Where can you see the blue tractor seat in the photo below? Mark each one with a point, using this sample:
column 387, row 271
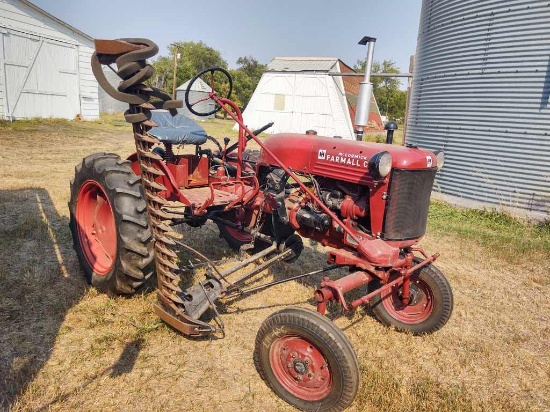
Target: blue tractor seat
column 178, row 129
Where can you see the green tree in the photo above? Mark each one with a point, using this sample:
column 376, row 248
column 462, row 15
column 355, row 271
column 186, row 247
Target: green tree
column 194, row 57
column 400, row 104
column 391, row 100
column 246, row 78
column 164, row 67
column 197, row 56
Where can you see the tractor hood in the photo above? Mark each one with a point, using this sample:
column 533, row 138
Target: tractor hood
column 340, row 159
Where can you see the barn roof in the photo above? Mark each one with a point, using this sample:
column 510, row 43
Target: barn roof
column 303, row 64
column 61, row 22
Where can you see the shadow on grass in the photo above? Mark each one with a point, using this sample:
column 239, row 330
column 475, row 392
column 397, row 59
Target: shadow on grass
column 37, row 285
column 40, row 282
column 122, row 366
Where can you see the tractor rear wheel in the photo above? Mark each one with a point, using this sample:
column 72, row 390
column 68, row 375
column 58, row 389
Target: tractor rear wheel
column 236, row 238
column 108, row 222
column 307, row 360
column 429, row 308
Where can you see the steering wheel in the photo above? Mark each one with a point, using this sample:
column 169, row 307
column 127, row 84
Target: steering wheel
column 212, row 71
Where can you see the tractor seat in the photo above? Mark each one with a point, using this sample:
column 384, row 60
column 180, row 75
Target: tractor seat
column 178, row 129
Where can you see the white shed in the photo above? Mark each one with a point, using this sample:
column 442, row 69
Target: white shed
column 44, row 65
column 302, row 93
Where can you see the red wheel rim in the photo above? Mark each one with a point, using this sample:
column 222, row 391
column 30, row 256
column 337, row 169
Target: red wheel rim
column 96, row 227
column 420, row 306
column 300, row 368
column 236, row 234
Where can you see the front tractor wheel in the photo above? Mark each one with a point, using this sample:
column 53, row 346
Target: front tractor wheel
column 307, row 361
column 108, row 222
column 430, row 303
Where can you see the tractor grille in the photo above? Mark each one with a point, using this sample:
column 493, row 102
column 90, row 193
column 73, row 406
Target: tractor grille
column 407, row 207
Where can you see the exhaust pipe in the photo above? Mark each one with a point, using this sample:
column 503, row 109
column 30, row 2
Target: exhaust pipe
column 365, row 90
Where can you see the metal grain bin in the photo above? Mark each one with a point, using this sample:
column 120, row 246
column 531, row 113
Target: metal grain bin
column 106, row 103
column 200, row 90
column 481, row 93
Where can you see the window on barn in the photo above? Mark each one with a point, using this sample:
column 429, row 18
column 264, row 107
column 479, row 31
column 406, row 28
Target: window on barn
column 279, row 102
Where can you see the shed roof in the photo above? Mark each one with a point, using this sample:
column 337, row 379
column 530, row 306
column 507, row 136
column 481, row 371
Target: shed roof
column 303, row 64
column 199, row 86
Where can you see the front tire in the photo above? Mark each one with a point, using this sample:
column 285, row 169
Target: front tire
column 307, row 360
column 108, row 222
column 430, row 307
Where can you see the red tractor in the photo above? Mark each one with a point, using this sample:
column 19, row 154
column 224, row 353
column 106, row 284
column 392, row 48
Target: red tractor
column 367, row 202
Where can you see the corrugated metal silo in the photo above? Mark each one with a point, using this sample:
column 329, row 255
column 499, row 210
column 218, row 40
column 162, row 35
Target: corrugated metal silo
column 481, row 93
column 199, row 91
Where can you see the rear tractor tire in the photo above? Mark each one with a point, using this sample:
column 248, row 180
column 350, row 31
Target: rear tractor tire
column 307, row 360
column 109, row 225
column 236, row 238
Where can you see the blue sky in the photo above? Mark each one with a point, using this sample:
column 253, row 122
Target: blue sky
column 263, row 29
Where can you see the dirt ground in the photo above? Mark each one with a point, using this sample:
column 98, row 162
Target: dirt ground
column 64, row 346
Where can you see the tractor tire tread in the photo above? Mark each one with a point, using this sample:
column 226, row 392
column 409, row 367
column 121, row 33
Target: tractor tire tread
column 444, row 303
column 134, row 262
column 133, row 180
column 322, row 329
column 132, row 193
column 136, row 221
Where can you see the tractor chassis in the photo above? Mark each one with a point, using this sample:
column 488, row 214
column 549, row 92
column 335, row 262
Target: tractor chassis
column 123, row 213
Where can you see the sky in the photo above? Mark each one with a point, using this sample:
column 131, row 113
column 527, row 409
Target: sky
column 262, row 29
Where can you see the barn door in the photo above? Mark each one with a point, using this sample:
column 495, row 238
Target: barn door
column 41, row 77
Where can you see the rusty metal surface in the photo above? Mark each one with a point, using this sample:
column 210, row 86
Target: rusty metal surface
column 115, row 46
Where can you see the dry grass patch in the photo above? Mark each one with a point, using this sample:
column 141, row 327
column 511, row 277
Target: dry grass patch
column 65, row 346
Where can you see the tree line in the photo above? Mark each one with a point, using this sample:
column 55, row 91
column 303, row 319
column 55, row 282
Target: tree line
column 197, row 56
column 391, row 100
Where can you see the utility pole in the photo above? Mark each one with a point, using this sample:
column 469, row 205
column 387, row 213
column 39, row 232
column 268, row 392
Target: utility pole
column 176, row 58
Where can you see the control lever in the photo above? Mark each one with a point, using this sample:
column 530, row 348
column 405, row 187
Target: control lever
column 248, row 137
column 225, row 142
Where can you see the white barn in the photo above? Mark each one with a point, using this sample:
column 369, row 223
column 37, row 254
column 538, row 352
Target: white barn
column 44, row 66
column 302, row 93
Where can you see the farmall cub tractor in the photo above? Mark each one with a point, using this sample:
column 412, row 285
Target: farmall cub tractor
column 367, row 202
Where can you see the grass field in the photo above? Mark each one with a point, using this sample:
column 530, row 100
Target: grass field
column 64, row 346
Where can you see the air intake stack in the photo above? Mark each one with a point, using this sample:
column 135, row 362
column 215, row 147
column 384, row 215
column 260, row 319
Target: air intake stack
column 365, row 91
